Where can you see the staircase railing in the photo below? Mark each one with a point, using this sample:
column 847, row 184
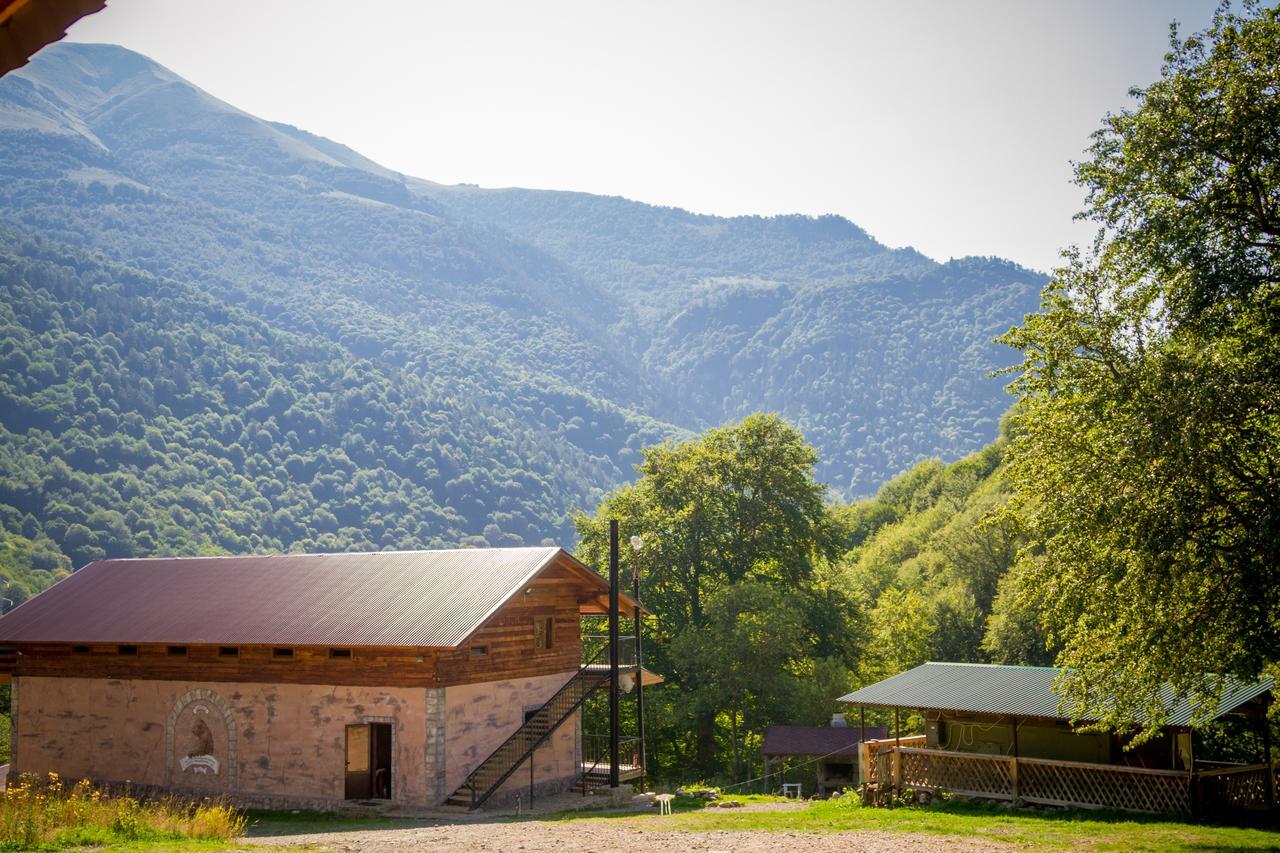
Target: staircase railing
column 486, row 778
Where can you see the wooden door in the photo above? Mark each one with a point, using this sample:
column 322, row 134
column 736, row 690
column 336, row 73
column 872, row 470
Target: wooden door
column 359, row 763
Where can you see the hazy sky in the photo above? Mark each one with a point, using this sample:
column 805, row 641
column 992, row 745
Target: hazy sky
column 947, row 126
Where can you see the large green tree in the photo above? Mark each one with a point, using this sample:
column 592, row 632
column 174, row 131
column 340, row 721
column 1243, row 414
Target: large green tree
column 725, row 518
column 1146, row 444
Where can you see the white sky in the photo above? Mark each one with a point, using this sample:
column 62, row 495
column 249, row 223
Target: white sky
column 947, row 126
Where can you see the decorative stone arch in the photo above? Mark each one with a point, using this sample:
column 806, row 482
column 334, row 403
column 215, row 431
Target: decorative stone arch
column 200, row 694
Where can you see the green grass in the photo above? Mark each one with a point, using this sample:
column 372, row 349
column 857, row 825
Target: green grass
column 268, row 824
column 1045, row 829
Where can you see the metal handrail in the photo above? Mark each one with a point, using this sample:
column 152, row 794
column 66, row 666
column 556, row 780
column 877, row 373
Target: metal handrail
column 626, row 648
column 489, row 775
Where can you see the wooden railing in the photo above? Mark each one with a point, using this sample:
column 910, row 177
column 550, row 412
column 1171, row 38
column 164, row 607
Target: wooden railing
column 1074, row 783
column 870, row 750
column 1037, row 780
column 1235, row 789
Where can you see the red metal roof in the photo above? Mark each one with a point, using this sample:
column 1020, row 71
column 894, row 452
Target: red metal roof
column 389, row 598
column 817, row 740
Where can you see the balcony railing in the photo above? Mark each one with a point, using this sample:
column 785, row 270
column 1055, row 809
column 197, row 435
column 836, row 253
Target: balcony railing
column 593, row 643
column 595, row 751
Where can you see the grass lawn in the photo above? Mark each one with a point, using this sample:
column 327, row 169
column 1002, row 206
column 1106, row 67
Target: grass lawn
column 1051, row 829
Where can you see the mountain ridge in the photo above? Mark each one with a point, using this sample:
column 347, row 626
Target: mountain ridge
column 584, row 327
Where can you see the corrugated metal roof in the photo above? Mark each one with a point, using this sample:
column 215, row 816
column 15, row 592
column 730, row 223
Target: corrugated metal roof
column 1024, row 691
column 816, row 740
column 390, row 598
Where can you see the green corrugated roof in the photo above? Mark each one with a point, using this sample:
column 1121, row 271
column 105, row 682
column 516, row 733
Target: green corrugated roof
column 1023, row 691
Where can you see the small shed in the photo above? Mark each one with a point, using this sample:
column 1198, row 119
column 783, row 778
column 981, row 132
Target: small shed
column 834, row 749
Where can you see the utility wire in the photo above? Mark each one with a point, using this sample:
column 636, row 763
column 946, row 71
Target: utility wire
column 843, row 749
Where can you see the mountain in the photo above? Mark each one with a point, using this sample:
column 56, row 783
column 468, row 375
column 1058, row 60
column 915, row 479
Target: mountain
column 238, row 335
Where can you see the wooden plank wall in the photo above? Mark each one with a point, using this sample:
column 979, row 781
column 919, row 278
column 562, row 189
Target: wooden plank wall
column 507, row 638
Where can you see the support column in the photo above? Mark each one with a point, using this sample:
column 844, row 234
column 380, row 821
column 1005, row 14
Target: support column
column 1013, row 766
column 613, row 655
column 1266, row 757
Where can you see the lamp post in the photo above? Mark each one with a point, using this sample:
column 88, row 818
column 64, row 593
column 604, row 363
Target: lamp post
column 636, row 544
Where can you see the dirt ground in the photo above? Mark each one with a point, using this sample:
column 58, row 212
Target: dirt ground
column 536, row 836
column 641, row 833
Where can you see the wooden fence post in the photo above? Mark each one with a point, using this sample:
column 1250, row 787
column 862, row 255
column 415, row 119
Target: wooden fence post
column 883, row 775
column 897, row 770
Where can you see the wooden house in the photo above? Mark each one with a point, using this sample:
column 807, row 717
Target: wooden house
column 414, row 678
column 998, row 732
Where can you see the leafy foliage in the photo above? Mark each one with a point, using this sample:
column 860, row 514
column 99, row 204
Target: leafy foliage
column 769, row 605
column 734, row 527
column 1146, row 449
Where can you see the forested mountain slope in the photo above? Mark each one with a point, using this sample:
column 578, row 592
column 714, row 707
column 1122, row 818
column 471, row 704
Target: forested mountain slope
column 201, row 307
column 880, row 356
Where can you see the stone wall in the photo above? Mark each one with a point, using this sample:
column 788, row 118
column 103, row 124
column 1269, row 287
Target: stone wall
column 279, row 745
column 479, row 717
column 279, row 742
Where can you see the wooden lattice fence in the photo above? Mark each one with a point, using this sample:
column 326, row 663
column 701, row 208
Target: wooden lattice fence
column 872, row 749
column 1135, row 789
column 1060, row 783
column 973, row 774
column 1235, row 789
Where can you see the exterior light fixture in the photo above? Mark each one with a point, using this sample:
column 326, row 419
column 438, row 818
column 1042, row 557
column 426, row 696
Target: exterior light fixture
column 636, row 543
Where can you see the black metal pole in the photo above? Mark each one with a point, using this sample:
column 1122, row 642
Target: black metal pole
column 635, row 593
column 1270, row 778
column 613, row 654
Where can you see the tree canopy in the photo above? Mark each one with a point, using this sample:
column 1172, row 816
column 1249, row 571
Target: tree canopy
column 1145, row 453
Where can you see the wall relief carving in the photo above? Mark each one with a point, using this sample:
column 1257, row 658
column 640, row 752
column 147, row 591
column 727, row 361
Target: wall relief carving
column 200, row 737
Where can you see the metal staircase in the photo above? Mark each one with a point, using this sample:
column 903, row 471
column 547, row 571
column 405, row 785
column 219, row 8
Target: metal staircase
column 515, row 750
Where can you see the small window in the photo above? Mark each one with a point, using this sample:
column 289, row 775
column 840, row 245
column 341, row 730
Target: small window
column 127, row 650
column 80, row 650
column 543, row 633
column 279, row 652
column 178, row 651
column 228, row 651
column 339, row 653
column 479, row 651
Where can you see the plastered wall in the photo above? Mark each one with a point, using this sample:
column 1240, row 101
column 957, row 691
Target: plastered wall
column 252, row 739
column 479, row 717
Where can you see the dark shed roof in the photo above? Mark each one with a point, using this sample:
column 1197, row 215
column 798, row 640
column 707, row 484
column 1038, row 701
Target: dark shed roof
column 389, row 598
column 816, row 740
column 1022, row 691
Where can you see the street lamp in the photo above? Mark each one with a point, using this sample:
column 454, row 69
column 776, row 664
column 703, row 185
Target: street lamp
column 636, row 544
